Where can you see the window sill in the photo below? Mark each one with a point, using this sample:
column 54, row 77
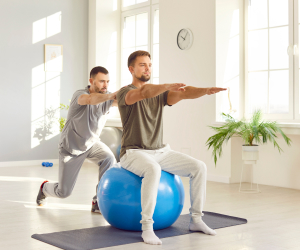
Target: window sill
column 287, row 128
column 290, row 128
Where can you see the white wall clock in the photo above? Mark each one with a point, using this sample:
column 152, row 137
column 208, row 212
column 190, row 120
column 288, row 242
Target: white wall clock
column 185, row 39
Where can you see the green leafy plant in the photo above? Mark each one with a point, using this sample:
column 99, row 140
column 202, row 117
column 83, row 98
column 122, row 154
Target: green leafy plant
column 62, row 120
column 253, row 131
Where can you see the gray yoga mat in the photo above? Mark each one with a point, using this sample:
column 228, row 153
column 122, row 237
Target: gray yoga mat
column 108, row 236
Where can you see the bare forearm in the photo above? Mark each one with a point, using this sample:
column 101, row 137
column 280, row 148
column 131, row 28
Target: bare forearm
column 96, row 98
column 193, row 92
column 152, row 90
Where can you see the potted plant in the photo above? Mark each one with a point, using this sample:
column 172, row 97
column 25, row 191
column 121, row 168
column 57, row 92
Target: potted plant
column 62, row 120
column 253, row 131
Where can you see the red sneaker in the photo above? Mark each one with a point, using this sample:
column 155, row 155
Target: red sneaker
column 41, row 197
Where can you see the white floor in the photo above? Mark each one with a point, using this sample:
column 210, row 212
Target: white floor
column 273, row 215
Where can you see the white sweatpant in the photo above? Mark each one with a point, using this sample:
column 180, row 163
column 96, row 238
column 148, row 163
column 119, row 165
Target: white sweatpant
column 149, row 163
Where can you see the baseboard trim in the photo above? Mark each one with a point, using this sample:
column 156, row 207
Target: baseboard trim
column 218, row 178
column 30, row 163
column 26, row 163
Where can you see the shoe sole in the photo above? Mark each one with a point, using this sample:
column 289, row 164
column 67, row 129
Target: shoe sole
column 96, row 211
column 42, row 204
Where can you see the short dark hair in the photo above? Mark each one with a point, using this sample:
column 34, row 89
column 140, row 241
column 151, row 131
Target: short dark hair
column 97, row 70
column 134, row 55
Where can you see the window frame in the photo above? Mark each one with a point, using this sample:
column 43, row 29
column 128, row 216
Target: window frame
column 290, row 117
column 128, row 13
column 132, row 10
column 154, row 7
column 135, row 6
column 296, row 61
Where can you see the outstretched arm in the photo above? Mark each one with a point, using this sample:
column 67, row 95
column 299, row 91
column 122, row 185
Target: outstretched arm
column 95, row 98
column 191, row 93
column 151, row 90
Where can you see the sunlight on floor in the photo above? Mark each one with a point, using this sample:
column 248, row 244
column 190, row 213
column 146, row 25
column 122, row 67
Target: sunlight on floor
column 79, row 207
column 27, row 179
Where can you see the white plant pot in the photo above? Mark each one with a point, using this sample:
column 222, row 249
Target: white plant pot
column 250, row 154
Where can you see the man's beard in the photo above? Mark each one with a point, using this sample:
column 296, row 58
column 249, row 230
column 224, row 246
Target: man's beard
column 143, row 78
column 102, row 91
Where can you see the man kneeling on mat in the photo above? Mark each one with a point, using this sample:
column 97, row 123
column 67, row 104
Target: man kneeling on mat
column 80, row 137
column 143, row 152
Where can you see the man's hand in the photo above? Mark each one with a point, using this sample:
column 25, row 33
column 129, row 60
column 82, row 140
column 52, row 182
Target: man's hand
column 214, row 90
column 175, row 87
column 191, row 93
column 114, row 95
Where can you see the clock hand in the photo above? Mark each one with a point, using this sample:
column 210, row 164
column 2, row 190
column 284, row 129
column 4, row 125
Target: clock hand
column 185, row 35
column 182, row 38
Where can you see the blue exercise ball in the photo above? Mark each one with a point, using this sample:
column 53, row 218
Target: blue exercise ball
column 119, row 199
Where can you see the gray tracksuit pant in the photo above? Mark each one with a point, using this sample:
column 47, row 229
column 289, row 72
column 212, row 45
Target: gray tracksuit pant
column 69, row 167
column 149, row 163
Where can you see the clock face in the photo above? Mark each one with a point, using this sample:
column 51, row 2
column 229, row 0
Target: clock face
column 184, row 39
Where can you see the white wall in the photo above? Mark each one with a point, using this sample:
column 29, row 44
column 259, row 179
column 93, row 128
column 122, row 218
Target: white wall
column 104, row 40
column 22, row 72
column 272, row 168
column 186, row 123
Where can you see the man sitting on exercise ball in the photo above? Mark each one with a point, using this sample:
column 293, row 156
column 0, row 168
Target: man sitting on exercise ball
column 80, row 137
column 143, row 152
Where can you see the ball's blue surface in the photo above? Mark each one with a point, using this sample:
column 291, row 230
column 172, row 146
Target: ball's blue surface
column 50, row 164
column 47, row 164
column 119, row 199
column 44, row 164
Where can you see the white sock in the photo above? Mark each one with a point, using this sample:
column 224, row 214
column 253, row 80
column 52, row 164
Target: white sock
column 201, row 226
column 149, row 237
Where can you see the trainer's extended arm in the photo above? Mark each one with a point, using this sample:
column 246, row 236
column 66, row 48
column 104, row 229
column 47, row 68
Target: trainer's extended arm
column 95, row 98
column 151, row 90
column 191, row 93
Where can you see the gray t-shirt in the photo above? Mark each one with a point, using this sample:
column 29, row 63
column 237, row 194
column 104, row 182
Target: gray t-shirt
column 82, row 128
column 142, row 122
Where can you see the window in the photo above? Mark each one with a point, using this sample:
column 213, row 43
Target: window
column 155, row 46
column 140, row 31
column 135, row 37
column 132, row 2
column 270, row 60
